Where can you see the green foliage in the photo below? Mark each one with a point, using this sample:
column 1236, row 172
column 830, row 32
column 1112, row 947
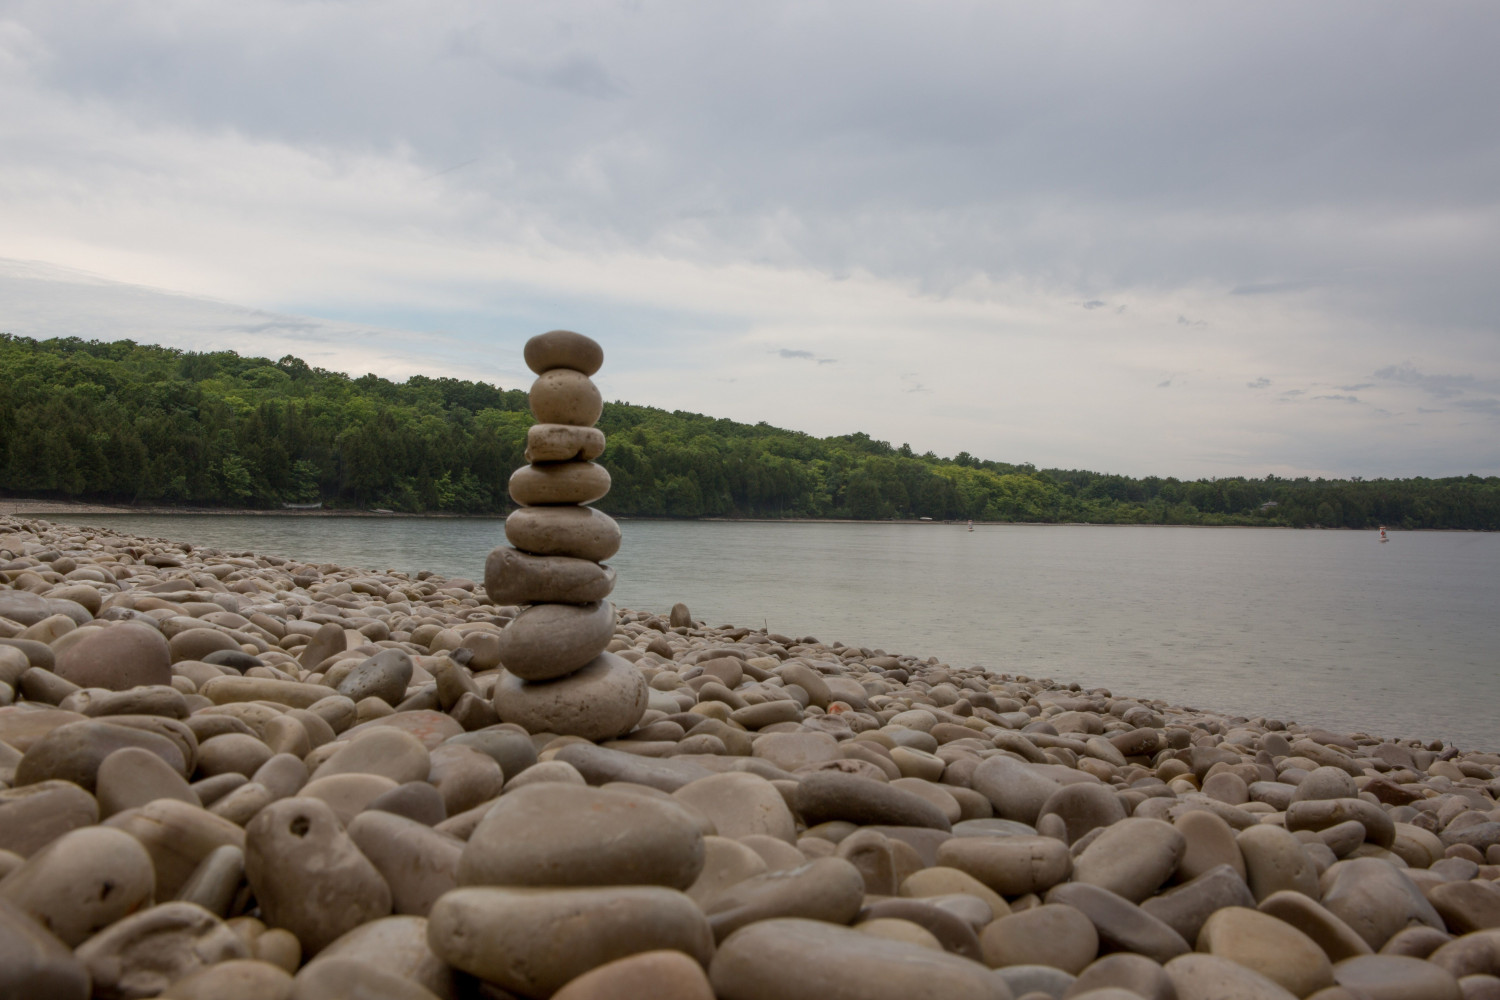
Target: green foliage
column 134, row 423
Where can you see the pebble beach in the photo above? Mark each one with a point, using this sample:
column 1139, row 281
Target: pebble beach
column 228, row 774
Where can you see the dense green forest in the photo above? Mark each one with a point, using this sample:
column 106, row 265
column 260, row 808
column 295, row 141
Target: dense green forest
column 133, row 423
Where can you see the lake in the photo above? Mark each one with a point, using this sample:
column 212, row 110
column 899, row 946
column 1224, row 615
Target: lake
column 1325, row 627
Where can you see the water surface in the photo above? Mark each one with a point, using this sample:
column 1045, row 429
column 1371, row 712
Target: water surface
column 1324, row 627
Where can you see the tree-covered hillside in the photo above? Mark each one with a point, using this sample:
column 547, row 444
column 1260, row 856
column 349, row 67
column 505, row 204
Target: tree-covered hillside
column 133, row 423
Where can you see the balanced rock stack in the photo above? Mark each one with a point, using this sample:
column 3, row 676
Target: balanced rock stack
column 559, row 677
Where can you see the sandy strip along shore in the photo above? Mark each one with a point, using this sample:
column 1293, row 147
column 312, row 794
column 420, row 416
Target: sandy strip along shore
column 232, row 775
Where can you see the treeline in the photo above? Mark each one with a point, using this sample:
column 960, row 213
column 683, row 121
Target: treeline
column 131, row 423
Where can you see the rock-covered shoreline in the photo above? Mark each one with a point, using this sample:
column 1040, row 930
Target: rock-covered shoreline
column 237, row 775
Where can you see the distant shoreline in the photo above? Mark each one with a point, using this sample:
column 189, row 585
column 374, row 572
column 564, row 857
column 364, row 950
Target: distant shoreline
column 21, row 507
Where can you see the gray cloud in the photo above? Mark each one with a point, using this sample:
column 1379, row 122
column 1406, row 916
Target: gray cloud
column 1441, row 386
column 1095, row 304
column 788, row 353
column 1259, row 383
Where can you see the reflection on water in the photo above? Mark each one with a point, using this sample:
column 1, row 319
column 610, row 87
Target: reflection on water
column 1326, row 627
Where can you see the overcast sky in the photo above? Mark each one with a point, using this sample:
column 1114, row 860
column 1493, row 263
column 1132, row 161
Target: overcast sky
column 1184, row 239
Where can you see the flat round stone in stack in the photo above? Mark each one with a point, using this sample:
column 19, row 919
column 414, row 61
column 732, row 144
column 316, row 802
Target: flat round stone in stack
column 559, row 677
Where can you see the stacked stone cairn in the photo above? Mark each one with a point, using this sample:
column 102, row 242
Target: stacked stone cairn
column 235, row 776
column 559, row 677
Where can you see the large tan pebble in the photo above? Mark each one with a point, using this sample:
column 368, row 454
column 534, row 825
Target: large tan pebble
column 830, row 795
column 557, row 483
column 515, row 577
column 726, row 862
column 384, row 675
column 307, row 874
column 1395, row 977
column 349, row 979
column 558, row 771
column 33, row 816
column 117, row 657
column 143, row 954
column 1120, row 924
column 563, row 443
column 552, row 640
column 1275, row 949
column 1376, row 899
column 1083, row 807
column 1337, row 939
column 284, row 774
column 464, row 777
column 604, row 699
column 232, row 753
column 82, row 882
column 294, row 694
column 1129, row 975
column 347, row 794
column 577, row 532
column 559, row 834
column 216, row 881
column 741, row 804
column 417, row 862
column 384, row 750
column 939, row 880
column 196, row 643
column 1184, row 908
column 553, row 936
column 34, row 963
column 49, row 629
column 242, row 804
column 829, row 889
column 279, row 947
column 564, row 396
column 397, row 946
column 178, row 837
column 1016, row 789
column 563, row 349
column 1208, row 843
column 1012, row 866
column 1058, row 936
column 791, row 959
column 1274, row 861
column 1208, row 977
column 236, row 979
column 1131, row 858
column 790, row 751
column 73, row 752
column 661, row 975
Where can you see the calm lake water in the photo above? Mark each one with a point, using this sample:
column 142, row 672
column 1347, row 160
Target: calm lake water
column 1324, row 627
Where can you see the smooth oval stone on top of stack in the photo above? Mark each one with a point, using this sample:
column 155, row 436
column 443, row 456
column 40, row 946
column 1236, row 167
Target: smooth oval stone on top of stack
column 559, row 679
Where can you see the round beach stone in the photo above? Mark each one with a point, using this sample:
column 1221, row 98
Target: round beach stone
column 417, row 862
column 384, row 750
column 661, row 975
column 1012, row 866
column 552, row 640
column 1208, row 977
column 1275, row 861
column 563, row 443
column 741, row 804
column 1120, row 924
column 232, row 753
column 74, row 752
column 1132, row 975
column 515, row 577
column 1208, row 843
column 118, row 657
column 554, row 935
column 196, row 643
column 604, row 699
column 831, row 795
column 236, row 979
column 725, row 863
column 34, row 963
column 798, row 959
column 564, row 396
column 1131, row 858
column 578, row 532
column 350, row 979
column 938, row 880
column 1275, row 949
column 1050, row 934
column 32, row 816
column 82, row 882
column 1375, row 899
column 178, row 837
column 1337, row 939
column 1016, row 789
column 567, row 835
column 1185, row 907
column 396, row 946
column 1396, row 977
column 132, row 777
column 1083, row 807
column 828, row 889
column 563, row 349
column 308, row 876
column 559, row 483
column 146, row 952
column 384, row 675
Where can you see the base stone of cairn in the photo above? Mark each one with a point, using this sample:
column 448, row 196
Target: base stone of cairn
column 559, row 679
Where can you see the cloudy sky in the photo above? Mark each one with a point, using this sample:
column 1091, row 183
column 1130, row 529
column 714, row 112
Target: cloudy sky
column 1164, row 238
